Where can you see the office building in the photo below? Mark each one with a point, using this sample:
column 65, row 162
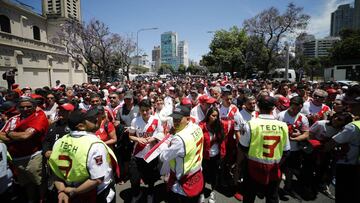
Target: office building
column 156, row 57
column 169, row 52
column 356, row 20
column 25, row 45
column 311, row 47
column 183, row 53
column 341, row 19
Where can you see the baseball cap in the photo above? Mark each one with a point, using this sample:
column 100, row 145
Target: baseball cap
column 77, row 117
column 206, row 99
column 245, row 91
column 225, row 90
column 185, row 101
column 67, row 107
column 284, row 101
column 331, row 91
column 8, row 107
column 180, row 111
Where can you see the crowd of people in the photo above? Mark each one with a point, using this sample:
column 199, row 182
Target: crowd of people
column 75, row 143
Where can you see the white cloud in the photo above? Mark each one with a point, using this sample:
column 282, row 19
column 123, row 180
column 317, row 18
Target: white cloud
column 320, row 23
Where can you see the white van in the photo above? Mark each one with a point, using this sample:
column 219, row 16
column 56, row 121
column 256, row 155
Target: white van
column 279, row 74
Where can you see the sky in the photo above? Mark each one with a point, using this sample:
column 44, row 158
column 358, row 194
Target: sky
column 192, row 19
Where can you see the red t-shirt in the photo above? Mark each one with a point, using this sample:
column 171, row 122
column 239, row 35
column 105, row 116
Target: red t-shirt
column 21, row 148
column 102, row 134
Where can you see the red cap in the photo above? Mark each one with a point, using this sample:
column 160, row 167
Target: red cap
column 68, row 107
column 284, row 101
column 36, row 96
column 205, row 99
column 185, row 101
column 14, row 86
column 331, row 91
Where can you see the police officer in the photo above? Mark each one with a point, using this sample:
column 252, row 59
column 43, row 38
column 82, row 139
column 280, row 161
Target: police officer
column 185, row 154
column 264, row 141
column 82, row 163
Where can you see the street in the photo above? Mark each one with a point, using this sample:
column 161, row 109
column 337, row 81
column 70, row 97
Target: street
column 124, row 195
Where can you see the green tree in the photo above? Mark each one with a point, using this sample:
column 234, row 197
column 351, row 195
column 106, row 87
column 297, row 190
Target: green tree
column 272, row 27
column 165, row 69
column 227, row 50
column 140, row 69
column 347, row 50
column 182, row 69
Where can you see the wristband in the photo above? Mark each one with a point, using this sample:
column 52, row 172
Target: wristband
column 60, row 191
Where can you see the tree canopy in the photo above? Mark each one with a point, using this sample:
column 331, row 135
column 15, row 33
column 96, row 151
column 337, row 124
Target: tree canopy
column 99, row 51
column 227, row 50
column 346, row 50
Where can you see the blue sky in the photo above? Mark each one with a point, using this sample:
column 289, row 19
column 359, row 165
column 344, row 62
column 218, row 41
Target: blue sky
column 192, row 19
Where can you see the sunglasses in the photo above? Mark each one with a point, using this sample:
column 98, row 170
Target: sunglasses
column 25, row 107
column 320, row 97
column 50, row 98
column 112, row 97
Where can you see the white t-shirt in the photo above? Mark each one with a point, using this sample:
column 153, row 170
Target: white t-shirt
column 140, row 128
column 321, row 131
column 246, row 137
column 197, row 114
column 350, row 135
column 97, row 169
column 128, row 117
column 214, row 149
column 309, row 108
column 284, row 116
column 168, row 105
column 245, row 116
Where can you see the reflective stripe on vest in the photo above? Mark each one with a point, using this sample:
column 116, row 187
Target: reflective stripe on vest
column 357, row 124
column 68, row 159
column 192, row 138
column 267, row 141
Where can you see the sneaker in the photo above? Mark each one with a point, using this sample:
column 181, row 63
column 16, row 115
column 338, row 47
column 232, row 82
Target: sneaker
column 238, row 196
column 202, row 198
column 150, row 198
column 326, row 191
column 136, row 199
column 212, row 197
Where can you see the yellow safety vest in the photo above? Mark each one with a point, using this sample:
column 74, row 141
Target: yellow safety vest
column 357, row 124
column 192, row 137
column 69, row 157
column 267, row 140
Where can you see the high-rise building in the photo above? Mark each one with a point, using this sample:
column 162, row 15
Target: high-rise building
column 156, row 56
column 341, row 19
column 356, row 20
column 169, row 41
column 311, row 47
column 183, row 52
column 62, row 9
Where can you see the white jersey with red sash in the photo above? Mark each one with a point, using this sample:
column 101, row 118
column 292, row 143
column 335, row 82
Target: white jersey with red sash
column 318, row 112
column 299, row 122
column 114, row 110
column 230, row 113
column 144, row 129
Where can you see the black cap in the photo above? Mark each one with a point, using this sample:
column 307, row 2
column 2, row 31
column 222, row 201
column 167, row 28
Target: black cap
column 78, row 117
column 266, row 102
column 180, row 111
column 245, row 91
column 225, row 90
column 8, row 106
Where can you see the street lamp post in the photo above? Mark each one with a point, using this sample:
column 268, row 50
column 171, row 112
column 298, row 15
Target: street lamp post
column 137, row 42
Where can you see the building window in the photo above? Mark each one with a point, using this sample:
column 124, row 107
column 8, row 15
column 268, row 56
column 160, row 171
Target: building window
column 5, row 24
column 36, row 32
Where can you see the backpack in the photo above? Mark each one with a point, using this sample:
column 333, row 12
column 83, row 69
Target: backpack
column 4, row 76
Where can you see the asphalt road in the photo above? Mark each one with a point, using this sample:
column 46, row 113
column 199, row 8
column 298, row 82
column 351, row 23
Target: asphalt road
column 124, row 195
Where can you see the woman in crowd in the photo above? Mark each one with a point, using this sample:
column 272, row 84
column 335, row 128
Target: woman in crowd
column 214, row 149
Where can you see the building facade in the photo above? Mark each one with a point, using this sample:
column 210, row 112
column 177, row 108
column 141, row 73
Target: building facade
column 25, row 45
column 156, row 57
column 341, row 19
column 311, row 47
column 356, row 15
column 169, row 51
column 183, row 52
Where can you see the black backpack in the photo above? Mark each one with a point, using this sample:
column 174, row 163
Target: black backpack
column 4, row 76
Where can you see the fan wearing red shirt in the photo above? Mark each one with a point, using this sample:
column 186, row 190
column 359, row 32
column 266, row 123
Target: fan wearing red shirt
column 106, row 132
column 23, row 135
